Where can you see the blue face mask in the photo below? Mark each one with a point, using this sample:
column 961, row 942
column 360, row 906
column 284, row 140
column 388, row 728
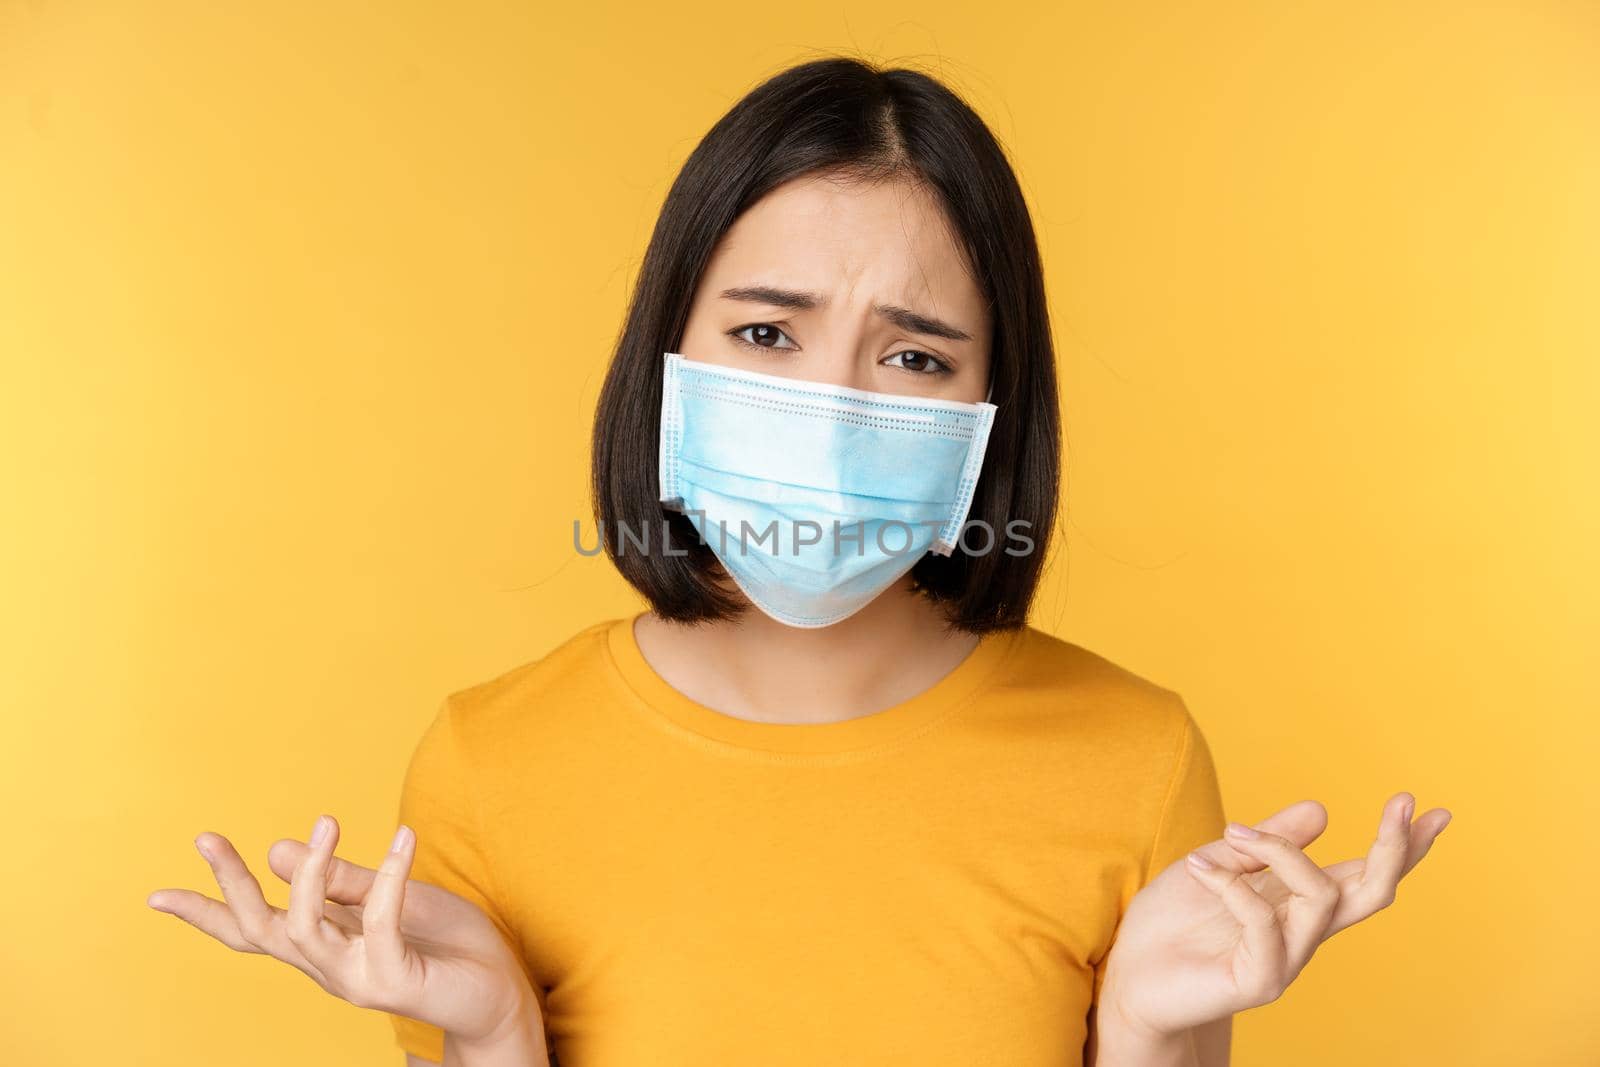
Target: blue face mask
column 815, row 498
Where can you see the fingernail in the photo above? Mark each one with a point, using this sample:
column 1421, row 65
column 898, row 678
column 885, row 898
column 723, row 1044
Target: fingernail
column 319, row 830
column 1200, row 861
column 1409, row 810
column 154, row 903
column 202, row 849
column 401, row 836
column 1447, row 817
column 1240, row 830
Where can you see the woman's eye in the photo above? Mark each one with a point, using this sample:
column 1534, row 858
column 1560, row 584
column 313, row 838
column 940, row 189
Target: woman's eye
column 917, row 362
column 764, row 335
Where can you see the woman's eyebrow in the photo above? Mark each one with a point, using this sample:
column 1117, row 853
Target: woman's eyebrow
column 915, row 322
column 767, row 294
column 799, row 300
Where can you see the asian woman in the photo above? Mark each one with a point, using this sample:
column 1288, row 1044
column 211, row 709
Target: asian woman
column 830, row 799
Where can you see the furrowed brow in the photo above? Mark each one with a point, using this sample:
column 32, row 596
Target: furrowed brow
column 915, row 322
column 799, row 300
column 793, row 299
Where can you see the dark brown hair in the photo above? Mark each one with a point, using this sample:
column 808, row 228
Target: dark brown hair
column 842, row 116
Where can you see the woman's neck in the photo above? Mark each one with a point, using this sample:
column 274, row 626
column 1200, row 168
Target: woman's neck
column 757, row 668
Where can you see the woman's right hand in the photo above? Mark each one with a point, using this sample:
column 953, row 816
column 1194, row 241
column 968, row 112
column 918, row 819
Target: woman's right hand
column 370, row 937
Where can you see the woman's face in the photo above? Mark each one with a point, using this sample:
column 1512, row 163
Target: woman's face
column 853, row 284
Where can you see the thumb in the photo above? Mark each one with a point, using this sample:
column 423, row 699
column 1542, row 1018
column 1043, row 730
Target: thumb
column 348, row 883
column 1300, row 823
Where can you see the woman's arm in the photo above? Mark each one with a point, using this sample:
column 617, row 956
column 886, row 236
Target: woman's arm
column 1230, row 927
column 520, row 1046
column 1208, row 1045
column 377, row 939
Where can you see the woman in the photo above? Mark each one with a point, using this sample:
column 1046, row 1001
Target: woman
column 830, row 800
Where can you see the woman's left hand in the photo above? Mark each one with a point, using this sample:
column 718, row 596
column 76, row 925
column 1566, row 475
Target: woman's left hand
column 1204, row 940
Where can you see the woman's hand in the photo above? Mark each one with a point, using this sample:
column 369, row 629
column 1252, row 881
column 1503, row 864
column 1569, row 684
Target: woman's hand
column 370, row 937
column 1231, row 925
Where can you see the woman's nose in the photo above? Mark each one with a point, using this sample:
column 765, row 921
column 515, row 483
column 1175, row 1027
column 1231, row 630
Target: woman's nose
column 841, row 367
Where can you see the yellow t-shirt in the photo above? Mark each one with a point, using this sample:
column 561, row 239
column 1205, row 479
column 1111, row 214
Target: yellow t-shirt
column 935, row 883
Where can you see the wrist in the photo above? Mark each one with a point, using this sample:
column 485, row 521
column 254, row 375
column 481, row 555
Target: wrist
column 1122, row 1040
column 518, row 1041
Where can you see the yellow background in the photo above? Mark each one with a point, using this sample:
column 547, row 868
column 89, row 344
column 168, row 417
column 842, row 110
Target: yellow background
column 303, row 313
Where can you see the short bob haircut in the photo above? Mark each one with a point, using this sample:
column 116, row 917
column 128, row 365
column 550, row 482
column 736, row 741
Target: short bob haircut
column 847, row 118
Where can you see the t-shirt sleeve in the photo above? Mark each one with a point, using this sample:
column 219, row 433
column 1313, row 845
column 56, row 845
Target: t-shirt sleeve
column 437, row 802
column 1190, row 813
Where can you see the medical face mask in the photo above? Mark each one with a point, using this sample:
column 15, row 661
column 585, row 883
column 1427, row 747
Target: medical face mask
column 815, row 498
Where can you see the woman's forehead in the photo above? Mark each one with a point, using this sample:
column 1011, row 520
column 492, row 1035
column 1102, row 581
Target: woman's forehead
column 848, row 240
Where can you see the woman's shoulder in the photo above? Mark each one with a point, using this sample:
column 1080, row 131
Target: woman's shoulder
column 1093, row 688
column 534, row 694
column 1045, row 659
column 1110, row 723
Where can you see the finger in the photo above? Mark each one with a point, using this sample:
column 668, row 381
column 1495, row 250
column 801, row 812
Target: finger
column 1427, row 827
column 257, row 922
column 321, row 942
column 1300, row 823
column 348, row 883
column 1424, row 829
column 1374, row 887
column 203, row 913
column 1351, row 872
column 345, row 917
column 1260, row 971
column 284, row 858
column 256, row 919
column 380, row 916
column 1313, row 895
